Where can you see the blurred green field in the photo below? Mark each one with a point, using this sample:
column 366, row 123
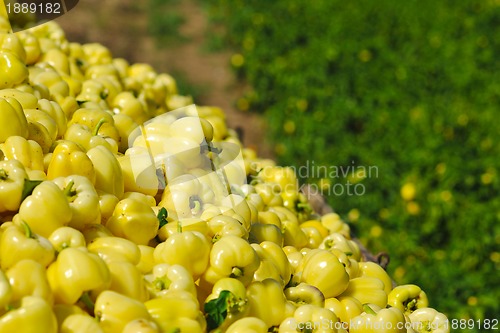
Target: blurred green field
column 409, row 88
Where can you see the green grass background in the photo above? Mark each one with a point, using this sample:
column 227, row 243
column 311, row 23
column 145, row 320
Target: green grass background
column 411, row 87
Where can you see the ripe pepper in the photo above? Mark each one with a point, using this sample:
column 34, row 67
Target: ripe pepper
column 115, row 249
column 323, row 270
column 74, row 272
column 18, row 242
column 268, row 302
column 114, row 310
column 69, row 159
column 65, row 237
column 232, row 256
column 165, row 278
column 261, row 232
column 54, row 110
column 407, row 298
column 100, row 121
column 339, row 241
column 310, row 318
column 31, row 46
column 303, row 294
column 134, row 220
column 126, row 103
column 139, row 171
column 12, row 179
column 5, row 292
column 221, row 225
column 109, row 177
column 367, row 290
column 83, row 200
column 183, row 197
column 177, row 312
column 26, row 98
column 27, row 278
column 11, row 43
column 141, row 326
column 273, row 253
column 269, row 194
column 429, row 320
column 226, row 304
column 32, row 314
column 80, row 323
column 46, row 209
column 12, row 114
column 28, row 152
column 42, row 128
column 47, row 76
column 236, row 206
column 125, row 125
column 107, row 204
column 371, row 269
column 87, row 138
column 248, row 324
column 147, row 260
column 127, row 280
column 345, row 307
column 383, row 321
column 190, row 249
column 334, row 223
column 12, row 69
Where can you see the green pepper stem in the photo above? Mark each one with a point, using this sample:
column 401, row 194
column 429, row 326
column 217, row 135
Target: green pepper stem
column 98, row 126
column 68, row 190
column 368, row 309
column 27, row 229
column 3, row 174
column 87, row 301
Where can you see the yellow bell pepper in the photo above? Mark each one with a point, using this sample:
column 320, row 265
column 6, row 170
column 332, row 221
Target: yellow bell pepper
column 177, row 312
column 46, row 209
column 334, row 223
column 114, row 310
column 125, row 126
column 69, row 159
column 226, row 304
column 92, row 118
column 323, row 270
column 94, row 231
column 147, row 260
column 310, row 318
column 57, row 59
column 12, row 69
column 80, row 323
column 115, row 249
column 134, row 220
column 141, row 326
column 367, row 290
column 31, row 46
column 18, row 242
column 248, row 325
column 139, row 171
column 12, row 180
column 191, row 249
column 371, row 269
column 165, row 278
column 268, row 302
column 83, row 200
column 54, row 110
column 429, row 320
column 407, row 298
column 261, row 232
column 127, row 280
column 232, row 256
column 390, row 320
column 340, row 242
column 12, row 43
column 74, row 272
column 5, row 292
column 303, row 294
column 109, row 177
column 269, row 251
column 345, row 308
column 126, row 103
column 33, row 313
column 27, row 278
column 40, row 75
column 88, row 138
column 28, row 152
column 221, row 226
column 12, row 114
column 65, row 237
column 26, row 98
column 107, row 204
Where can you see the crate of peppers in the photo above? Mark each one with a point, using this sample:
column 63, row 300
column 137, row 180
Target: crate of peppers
column 125, row 208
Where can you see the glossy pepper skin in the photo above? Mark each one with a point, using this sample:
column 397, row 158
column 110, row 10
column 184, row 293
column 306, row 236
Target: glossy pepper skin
column 33, row 313
column 69, row 159
column 88, row 138
column 165, row 278
column 248, row 325
column 12, row 69
column 429, row 320
column 74, row 272
column 232, row 256
column 46, row 209
column 28, row 152
column 134, row 220
column 12, row 178
column 12, row 114
column 310, row 318
column 5, row 292
column 390, row 320
column 408, row 298
column 115, row 310
column 367, row 290
column 190, row 249
column 323, row 269
column 18, row 242
column 83, row 200
column 345, row 307
column 80, row 323
column 27, row 278
column 65, row 237
column 109, row 177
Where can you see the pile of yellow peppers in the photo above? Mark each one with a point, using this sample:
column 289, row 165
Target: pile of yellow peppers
column 125, row 209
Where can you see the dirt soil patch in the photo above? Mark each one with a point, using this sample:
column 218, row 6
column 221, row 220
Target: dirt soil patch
column 122, row 26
